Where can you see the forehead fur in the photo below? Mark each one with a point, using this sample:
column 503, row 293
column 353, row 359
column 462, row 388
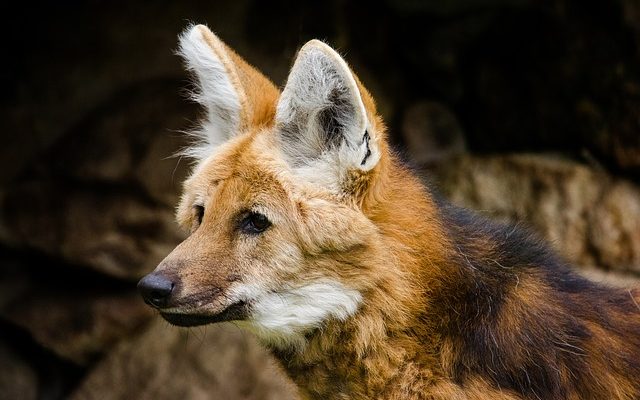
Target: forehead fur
column 251, row 157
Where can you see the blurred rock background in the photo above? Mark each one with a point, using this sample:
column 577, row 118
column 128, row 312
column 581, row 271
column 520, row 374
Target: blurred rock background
column 526, row 110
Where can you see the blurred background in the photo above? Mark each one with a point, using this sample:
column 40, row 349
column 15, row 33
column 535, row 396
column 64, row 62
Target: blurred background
column 525, row 110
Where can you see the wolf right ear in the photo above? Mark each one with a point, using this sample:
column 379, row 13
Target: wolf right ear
column 322, row 120
column 234, row 94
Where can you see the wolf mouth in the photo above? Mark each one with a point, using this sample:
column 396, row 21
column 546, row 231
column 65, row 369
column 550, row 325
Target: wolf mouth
column 235, row 312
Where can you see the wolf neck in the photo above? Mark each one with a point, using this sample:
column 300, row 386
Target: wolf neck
column 376, row 346
column 356, row 358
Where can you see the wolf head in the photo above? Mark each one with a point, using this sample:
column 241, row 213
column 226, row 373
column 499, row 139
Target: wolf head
column 280, row 200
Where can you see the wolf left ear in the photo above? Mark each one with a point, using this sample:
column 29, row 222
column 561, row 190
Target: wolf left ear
column 322, row 120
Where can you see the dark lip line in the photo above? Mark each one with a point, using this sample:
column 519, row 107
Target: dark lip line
column 187, row 301
column 234, row 312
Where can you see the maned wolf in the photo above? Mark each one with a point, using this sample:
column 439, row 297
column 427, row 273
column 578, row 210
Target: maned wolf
column 308, row 231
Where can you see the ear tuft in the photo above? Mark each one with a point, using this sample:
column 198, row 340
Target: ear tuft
column 217, row 88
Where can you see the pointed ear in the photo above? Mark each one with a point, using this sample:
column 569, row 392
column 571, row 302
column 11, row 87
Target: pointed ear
column 234, row 94
column 321, row 117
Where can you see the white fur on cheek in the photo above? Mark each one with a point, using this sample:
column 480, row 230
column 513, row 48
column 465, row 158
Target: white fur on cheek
column 215, row 91
column 282, row 318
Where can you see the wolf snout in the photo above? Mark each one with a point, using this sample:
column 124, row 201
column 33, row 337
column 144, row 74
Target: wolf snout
column 156, row 289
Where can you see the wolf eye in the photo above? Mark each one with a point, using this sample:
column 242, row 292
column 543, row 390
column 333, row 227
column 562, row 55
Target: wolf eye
column 198, row 213
column 254, row 223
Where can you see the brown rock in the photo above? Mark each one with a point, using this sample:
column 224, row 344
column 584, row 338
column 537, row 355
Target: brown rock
column 590, row 217
column 214, row 362
column 160, row 172
column 610, row 278
column 432, row 133
column 103, row 196
column 129, row 140
column 79, row 330
column 17, row 379
column 75, row 314
column 110, row 229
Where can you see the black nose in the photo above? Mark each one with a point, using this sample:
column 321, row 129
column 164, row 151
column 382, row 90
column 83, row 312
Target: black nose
column 155, row 289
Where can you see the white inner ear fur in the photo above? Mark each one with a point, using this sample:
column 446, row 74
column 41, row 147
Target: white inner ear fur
column 215, row 89
column 322, row 120
column 282, row 318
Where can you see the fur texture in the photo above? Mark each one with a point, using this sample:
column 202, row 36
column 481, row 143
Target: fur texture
column 321, row 119
column 282, row 319
column 215, row 89
column 307, row 230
